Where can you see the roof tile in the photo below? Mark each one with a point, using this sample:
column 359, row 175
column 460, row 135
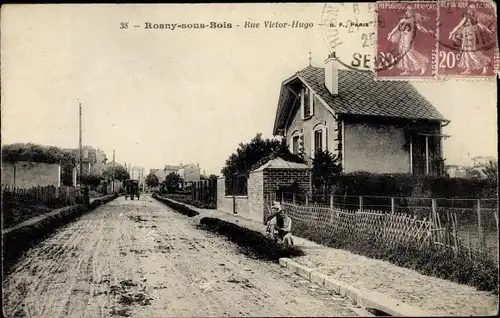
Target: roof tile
column 361, row 94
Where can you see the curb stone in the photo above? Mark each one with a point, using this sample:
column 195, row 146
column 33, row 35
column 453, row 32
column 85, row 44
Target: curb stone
column 365, row 298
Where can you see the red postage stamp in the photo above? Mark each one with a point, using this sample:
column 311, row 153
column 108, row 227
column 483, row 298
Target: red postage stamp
column 468, row 44
column 406, row 40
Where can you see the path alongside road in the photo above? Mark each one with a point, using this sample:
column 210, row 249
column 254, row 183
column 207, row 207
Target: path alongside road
column 431, row 294
column 139, row 258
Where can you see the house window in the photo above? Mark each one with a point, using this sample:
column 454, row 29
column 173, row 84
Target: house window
column 307, row 103
column 318, row 140
column 295, row 145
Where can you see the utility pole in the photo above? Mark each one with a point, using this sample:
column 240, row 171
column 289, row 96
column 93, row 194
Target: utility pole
column 80, row 145
column 113, row 174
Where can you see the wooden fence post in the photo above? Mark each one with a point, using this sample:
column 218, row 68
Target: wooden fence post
column 234, row 204
column 393, row 206
column 434, row 221
column 282, row 197
column 360, row 204
column 202, row 191
column 293, row 200
column 482, row 238
column 307, row 200
column 331, row 202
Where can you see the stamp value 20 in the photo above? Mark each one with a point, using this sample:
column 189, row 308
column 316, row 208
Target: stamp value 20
column 468, row 45
column 406, row 40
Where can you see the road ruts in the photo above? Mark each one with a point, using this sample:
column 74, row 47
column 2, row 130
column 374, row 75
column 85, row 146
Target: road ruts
column 141, row 259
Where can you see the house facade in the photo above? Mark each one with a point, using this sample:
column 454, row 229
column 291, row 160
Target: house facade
column 189, row 173
column 138, row 173
column 93, row 160
column 372, row 126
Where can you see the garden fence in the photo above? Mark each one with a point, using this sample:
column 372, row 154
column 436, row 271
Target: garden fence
column 19, row 204
column 456, row 224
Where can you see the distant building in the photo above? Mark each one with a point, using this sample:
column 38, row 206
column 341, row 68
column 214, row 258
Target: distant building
column 188, row 172
column 138, row 173
column 482, row 161
column 456, row 171
column 93, row 160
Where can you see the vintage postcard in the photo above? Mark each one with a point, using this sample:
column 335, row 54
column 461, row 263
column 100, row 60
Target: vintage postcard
column 242, row 160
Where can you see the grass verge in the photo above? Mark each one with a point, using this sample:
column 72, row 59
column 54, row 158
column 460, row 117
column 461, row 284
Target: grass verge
column 181, row 208
column 251, row 243
column 478, row 271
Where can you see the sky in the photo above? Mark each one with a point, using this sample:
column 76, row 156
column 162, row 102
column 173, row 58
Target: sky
column 161, row 96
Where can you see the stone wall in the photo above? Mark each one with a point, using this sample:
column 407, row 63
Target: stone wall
column 23, row 174
column 276, row 178
column 262, row 187
column 255, row 192
column 230, row 204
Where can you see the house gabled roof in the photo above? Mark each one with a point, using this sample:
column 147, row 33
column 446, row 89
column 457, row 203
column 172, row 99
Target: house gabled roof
column 360, row 94
column 280, row 163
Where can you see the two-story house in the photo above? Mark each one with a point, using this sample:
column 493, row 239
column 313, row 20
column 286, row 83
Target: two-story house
column 93, row 160
column 371, row 125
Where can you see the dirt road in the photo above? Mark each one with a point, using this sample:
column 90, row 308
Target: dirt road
column 140, row 259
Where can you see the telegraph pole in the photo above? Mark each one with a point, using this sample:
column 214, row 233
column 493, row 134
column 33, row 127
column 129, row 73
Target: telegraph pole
column 113, row 174
column 80, row 145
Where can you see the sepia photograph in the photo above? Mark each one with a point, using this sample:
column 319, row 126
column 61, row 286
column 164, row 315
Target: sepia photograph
column 250, row 159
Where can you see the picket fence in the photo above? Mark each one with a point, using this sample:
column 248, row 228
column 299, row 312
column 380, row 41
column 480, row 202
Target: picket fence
column 49, row 196
column 388, row 229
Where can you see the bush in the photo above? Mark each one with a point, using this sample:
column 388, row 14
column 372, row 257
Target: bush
column 184, row 198
column 251, row 242
column 478, row 271
column 37, row 153
column 407, row 185
column 181, row 208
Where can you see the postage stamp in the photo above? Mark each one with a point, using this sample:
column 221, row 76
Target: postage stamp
column 468, row 44
column 406, row 40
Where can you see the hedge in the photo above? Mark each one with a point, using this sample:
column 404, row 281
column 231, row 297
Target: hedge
column 407, row 185
column 37, row 153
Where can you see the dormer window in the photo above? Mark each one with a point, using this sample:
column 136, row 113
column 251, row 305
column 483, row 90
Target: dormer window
column 307, row 103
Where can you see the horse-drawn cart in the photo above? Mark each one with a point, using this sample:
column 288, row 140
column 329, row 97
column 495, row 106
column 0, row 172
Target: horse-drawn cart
column 131, row 189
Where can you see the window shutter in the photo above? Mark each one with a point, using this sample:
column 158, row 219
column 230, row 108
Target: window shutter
column 324, row 136
column 302, row 114
column 312, row 144
column 311, row 103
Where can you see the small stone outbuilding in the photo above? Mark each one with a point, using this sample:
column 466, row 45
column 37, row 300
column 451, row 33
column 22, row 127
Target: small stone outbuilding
column 264, row 186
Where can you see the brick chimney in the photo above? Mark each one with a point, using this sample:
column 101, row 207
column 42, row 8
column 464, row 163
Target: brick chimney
column 332, row 74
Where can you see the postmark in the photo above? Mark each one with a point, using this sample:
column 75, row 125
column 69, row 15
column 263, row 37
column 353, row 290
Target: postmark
column 406, row 40
column 468, row 43
column 349, row 32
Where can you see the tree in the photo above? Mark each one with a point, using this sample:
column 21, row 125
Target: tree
column 253, row 154
column 120, row 174
column 172, row 181
column 92, row 180
column 325, row 167
column 491, row 170
column 152, row 180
